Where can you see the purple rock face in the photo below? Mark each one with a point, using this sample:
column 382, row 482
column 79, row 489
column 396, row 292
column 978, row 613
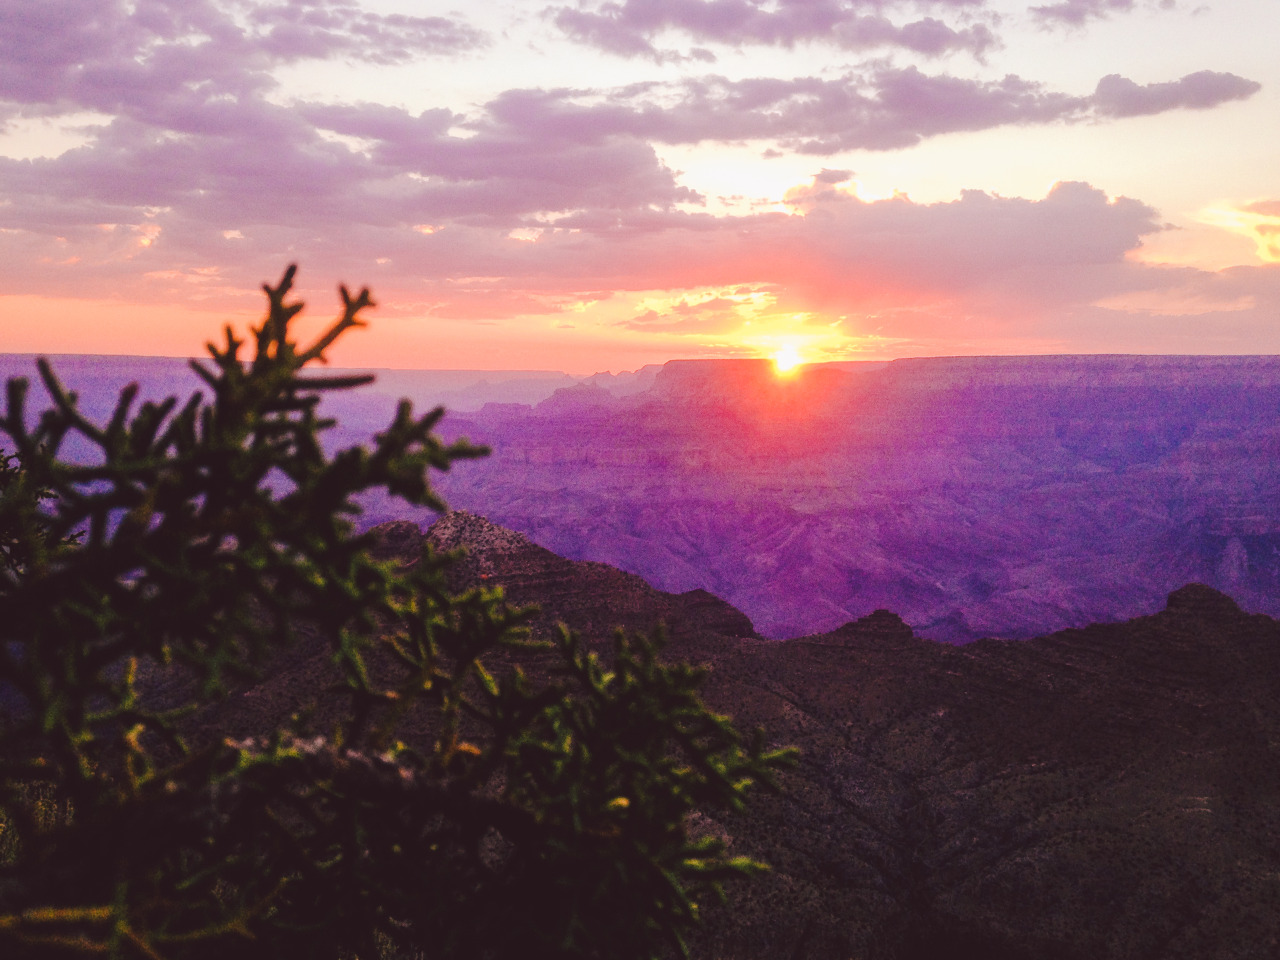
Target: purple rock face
column 973, row 496
column 1005, row 496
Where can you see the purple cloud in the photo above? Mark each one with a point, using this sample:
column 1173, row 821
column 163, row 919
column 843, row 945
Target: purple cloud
column 840, row 254
column 199, row 178
column 105, row 55
column 212, row 164
column 1118, row 96
column 1050, row 274
column 831, row 177
column 629, row 28
column 885, row 109
column 266, row 164
column 1076, row 13
column 907, row 269
column 195, row 149
column 321, row 29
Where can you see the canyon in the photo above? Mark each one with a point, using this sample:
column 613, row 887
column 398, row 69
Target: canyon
column 1055, row 789
column 976, row 497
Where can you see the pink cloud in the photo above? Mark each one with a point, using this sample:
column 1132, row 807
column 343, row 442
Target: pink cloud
column 977, row 269
column 885, row 108
column 1077, row 12
column 1117, row 96
column 711, row 316
column 842, row 254
column 195, row 137
column 200, row 182
column 321, row 29
column 197, row 163
column 105, row 55
column 630, row 27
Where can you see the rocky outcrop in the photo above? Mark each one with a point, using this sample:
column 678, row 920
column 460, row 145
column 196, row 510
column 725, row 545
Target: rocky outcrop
column 592, row 598
column 485, row 544
column 881, row 624
column 1105, row 792
column 1201, row 602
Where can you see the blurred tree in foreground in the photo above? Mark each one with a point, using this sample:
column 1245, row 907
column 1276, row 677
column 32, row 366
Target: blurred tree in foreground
column 533, row 819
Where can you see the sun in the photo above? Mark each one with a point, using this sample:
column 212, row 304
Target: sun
column 787, row 358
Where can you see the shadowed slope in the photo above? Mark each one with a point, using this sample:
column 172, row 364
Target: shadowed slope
column 1107, row 792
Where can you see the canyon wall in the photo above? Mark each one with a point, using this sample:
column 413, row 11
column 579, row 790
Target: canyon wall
column 988, row 496
column 974, row 496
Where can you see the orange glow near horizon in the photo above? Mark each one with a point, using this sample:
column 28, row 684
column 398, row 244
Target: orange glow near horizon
column 31, row 324
column 50, row 325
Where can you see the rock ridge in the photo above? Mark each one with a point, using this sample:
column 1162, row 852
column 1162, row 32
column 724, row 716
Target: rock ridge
column 1099, row 792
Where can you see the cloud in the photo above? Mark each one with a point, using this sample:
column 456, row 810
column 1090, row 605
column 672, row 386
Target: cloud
column 884, row 108
column 1117, row 96
column 504, row 172
column 888, row 108
column 714, row 315
column 135, row 206
column 197, row 149
column 630, row 27
column 832, row 176
column 199, row 177
column 112, row 56
column 269, row 174
column 323, row 29
column 839, row 255
column 1053, row 273
column 1076, row 13
column 1260, row 221
column 979, row 246
column 61, row 51
column 189, row 164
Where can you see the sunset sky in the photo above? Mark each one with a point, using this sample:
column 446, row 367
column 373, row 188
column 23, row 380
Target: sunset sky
column 588, row 186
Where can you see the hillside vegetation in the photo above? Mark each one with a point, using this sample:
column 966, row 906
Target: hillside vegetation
column 1108, row 792
column 409, row 788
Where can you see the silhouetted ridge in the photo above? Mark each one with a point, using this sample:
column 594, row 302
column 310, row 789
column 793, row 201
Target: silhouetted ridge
column 1108, row 792
column 592, row 598
column 1198, row 600
column 877, row 625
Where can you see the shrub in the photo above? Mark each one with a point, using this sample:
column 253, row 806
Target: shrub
column 528, row 818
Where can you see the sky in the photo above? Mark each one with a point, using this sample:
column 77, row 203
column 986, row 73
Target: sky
column 589, row 185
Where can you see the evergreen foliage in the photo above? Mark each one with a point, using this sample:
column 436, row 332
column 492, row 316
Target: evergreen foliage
column 525, row 818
